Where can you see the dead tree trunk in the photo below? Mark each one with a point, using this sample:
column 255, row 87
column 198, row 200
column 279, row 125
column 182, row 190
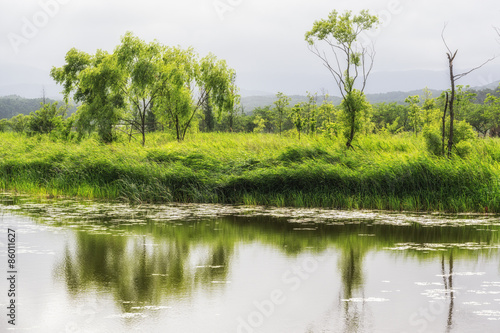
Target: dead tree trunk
column 452, row 99
column 453, row 79
column 444, row 123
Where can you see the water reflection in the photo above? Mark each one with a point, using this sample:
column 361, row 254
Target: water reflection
column 448, row 285
column 143, row 269
column 351, row 267
column 154, row 256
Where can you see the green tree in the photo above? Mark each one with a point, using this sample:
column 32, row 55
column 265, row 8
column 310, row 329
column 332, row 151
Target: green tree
column 4, row 125
column 208, row 122
column 415, row 113
column 19, row 123
column 142, row 78
column 267, row 115
column 92, row 79
column 297, row 117
column 48, row 118
column 351, row 62
column 480, row 117
column 194, row 82
column 391, row 117
column 280, row 107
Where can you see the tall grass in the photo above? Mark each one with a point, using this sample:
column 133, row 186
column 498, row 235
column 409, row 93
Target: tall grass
column 394, row 173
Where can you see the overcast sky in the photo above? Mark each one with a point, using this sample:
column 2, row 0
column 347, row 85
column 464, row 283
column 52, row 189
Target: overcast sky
column 263, row 40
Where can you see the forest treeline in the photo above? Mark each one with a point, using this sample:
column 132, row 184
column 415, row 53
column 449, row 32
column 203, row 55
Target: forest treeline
column 478, row 115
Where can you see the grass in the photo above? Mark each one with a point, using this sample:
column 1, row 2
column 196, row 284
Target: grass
column 384, row 172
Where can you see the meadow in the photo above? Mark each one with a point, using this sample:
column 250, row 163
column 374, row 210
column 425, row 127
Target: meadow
column 384, row 172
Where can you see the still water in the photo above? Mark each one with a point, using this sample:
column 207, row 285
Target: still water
column 101, row 267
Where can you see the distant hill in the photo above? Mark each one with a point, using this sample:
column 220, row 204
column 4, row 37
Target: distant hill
column 13, row 105
column 251, row 102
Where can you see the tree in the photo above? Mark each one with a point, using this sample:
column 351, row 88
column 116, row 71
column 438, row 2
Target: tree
column 263, row 119
column 4, row 124
column 415, row 113
column 480, row 118
column 141, row 75
column 453, row 78
column 280, row 107
column 311, row 113
column 19, row 123
column 493, row 104
column 193, row 83
column 208, row 123
column 92, row 79
column 297, row 117
column 351, row 59
column 47, row 118
column 139, row 79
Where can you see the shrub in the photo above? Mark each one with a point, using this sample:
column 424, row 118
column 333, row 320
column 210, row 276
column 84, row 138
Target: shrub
column 463, row 148
column 432, row 140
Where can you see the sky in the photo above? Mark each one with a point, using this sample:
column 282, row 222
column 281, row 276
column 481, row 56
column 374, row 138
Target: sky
column 263, row 40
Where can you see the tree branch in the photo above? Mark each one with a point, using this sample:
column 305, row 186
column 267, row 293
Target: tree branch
column 459, row 76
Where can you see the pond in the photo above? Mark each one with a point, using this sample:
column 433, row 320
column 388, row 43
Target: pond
column 84, row 266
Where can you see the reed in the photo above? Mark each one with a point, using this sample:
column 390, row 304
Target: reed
column 383, row 172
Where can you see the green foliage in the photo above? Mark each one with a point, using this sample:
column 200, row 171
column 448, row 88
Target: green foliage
column 432, row 136
column 281, row 107
column 384, row 173
column 4, row 125
column 463, row 149
column 390, row 116
column 48, row 118
column 139, row 79
column 13, row 105
column 260, row 124
column 340, row 33
column 344, row 28
column 297, row 117
column 93, row 79
column 356, row 113
column 19, row 123
column 463, row 132
column 415, row 113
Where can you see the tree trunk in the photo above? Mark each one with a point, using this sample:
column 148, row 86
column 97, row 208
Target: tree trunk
column 452, row 98
column 444, row 123
column 177, row 129
column 143, row 128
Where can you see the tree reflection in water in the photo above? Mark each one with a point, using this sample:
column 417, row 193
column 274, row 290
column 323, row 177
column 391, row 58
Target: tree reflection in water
column 141, row 270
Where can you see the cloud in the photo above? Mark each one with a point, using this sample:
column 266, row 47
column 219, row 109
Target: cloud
column 263, row 40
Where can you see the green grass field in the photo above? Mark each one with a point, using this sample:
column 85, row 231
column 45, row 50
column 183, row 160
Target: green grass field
column 384, row 172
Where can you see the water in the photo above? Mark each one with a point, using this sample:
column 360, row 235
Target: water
column 96, row 267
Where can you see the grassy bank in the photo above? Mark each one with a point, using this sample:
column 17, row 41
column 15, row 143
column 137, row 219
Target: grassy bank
column 393, row 173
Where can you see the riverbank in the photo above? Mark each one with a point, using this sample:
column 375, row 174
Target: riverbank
column 384, row 172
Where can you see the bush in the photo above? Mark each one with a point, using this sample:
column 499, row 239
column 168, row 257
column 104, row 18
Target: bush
column 463, row 132
column 463, row 148
column 433, row 140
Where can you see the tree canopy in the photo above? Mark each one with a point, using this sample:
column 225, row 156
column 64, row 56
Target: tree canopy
column 139, row 79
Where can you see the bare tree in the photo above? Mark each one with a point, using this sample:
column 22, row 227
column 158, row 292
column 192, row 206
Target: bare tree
column 453, row 78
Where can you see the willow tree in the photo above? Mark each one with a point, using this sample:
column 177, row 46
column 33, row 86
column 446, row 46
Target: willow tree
column 351, row 62
column 92, row 79
column 194, row 83
column 142, row 79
